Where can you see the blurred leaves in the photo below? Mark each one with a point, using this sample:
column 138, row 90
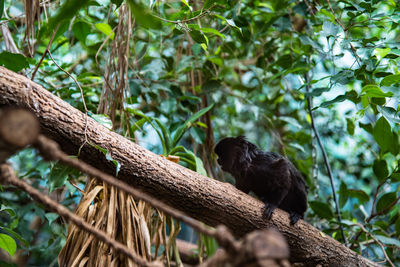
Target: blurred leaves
column 65, row 13
column 236, row 69
column 15, row 62
column 323, row 210
column 383, row 134
column 143, row 16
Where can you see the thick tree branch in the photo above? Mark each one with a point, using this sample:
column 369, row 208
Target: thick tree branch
column 202, row 198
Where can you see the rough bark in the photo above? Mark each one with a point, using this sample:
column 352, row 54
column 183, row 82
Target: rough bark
column 202, row 198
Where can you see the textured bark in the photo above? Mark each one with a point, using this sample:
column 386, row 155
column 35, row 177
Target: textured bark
column 202, row 198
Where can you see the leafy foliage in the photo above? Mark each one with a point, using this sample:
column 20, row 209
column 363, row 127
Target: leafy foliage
column 198, row 69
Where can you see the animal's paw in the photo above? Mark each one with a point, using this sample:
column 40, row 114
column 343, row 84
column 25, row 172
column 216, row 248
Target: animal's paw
column 294, row 217
column 268, row 210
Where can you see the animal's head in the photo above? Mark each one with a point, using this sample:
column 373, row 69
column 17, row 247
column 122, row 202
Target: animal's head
column 235, row 154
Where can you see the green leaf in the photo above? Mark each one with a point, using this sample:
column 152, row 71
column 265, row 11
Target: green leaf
column 329, row 29
column 373, row 90
column 182, row 129
column 367, row 127
column 149, row 120
column 106, row 29
column 328, row 14
column 318, row 91
column 198, row 37
column 81, row 30
column 381, row 52
column 323, row 210
column 389, row 113
column 395, row 147
column 8, row 209
column 285, row 61
column 337, row 99
column 58, row 175
column 210, row 244
column 380, row 169
column 381, row 74
column 187, row 5
column 195, row 163
column 8, row 244
column 390, row 79
column 51, row 217
column 350, row 126
column 115, row 162
column 213, row 31
column 138, row 124
column 388, row 240
column 16, row 235
column 65, row 13
column 166, row 136
column 208, row 3
column 383, row 134
column 177, row 149
column 108, row 157
column 385, row 201
column 350, row 95
column 102, row 150
column 297, row 146
column 14, row 62
column 200, row 167
column 143, row 16
column 343, row 195
column 117, row 2
column 395, row 177
column 359, row 194
column 103, row 119
column 1, row 8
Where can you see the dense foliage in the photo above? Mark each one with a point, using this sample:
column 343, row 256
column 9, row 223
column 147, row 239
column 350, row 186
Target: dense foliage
column 177, row 75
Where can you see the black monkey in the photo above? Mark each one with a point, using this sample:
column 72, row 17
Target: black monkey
column 273, row 178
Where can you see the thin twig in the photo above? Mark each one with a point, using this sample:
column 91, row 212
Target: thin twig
column 202, row 14
column 325, row 156
column 353, row 49
column 45, row 52
column 378, row 242
column 374, row 214
column 82, row 96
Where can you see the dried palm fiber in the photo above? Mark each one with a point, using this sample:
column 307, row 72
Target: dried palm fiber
column 32, row 14
column 115, row 213
column 116, row 70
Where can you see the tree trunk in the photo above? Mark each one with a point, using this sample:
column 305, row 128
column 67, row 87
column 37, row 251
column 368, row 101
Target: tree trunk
column 202, row 198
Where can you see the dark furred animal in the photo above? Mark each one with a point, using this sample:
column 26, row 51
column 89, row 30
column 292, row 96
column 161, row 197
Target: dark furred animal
column 273, row 178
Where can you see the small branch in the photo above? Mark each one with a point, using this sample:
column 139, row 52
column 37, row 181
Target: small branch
column 45, row 52
column 378, row 242
column 325, row 156
column 386, row 209
column 374, row 214
column 353, row 49
column 82, row 96
column 202, row 14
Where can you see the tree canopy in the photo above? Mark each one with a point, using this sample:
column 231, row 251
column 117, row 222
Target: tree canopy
column 316, row 81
